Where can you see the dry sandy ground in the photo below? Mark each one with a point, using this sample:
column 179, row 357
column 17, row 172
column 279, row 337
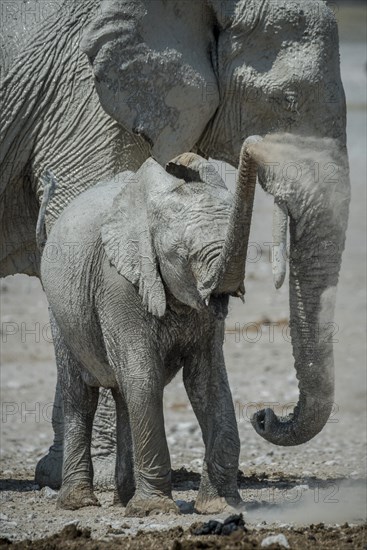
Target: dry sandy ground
column 287, row 488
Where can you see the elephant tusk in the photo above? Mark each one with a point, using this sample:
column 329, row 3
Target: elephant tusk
column 279, row 248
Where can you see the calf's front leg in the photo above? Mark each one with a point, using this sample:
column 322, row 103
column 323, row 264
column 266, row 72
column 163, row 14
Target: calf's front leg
column 143, row 386
column 206, row 383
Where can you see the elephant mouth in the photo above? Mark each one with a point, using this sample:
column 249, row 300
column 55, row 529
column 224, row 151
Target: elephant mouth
column 210, row 254
column 204, row 266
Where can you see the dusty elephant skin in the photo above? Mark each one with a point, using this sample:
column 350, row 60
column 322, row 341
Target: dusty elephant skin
column 257, row 67
column 145, row 293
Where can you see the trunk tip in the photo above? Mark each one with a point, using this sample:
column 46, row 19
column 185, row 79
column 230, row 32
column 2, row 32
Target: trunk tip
column 250, row 142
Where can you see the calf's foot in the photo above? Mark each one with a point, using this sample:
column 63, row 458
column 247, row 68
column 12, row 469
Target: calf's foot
column 73, row 497
column 139, row 506
column 216, row 505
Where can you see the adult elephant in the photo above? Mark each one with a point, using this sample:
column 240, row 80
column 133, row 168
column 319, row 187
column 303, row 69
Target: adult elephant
column 194, row 76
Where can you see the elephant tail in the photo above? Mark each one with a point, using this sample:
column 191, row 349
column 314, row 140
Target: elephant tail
column 49, row 185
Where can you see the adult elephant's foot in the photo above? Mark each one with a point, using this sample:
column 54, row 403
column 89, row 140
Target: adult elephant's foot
column 49, row 469
column 216, row 505
column 104, row 471
column 124, row 493
column 73, row 497
column 142, row 507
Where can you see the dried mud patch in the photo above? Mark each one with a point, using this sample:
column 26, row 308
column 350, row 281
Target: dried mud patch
column 313, row 536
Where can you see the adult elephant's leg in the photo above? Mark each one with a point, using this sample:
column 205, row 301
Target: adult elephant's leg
column 49, row 468
column 143, row 386
column 80, row 403
column 104, row 441
column 124, row 468
column 206, row 383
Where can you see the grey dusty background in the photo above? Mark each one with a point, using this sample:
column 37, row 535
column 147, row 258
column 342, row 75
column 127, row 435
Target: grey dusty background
column 322, row 480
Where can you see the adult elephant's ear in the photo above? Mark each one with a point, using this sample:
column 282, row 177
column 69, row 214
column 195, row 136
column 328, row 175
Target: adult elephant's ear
column 128, row 243
column 153, row 63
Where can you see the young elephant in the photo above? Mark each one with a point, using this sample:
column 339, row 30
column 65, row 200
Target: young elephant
column 138, row 276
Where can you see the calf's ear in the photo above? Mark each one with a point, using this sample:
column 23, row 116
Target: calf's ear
column 128, row 244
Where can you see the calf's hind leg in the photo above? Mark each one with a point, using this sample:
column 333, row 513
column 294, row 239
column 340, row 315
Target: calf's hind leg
column 80, row 403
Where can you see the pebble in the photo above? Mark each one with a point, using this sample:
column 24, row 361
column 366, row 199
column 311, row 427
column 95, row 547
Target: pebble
column 72, row 522
column 3, row 517
column 49, row 493
column 185, row 507
column 275, row 539
column 214, row 527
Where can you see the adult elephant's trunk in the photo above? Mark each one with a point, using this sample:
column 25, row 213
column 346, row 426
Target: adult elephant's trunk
column 317, row 242
column 232, row 261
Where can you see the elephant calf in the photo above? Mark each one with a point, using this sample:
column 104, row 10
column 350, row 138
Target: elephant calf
column 138, row 275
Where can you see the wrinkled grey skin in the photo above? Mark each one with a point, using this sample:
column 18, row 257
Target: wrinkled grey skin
column 143, row 294
column 216, row 72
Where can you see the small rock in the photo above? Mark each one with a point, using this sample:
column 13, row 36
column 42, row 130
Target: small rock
column 275, row 539
column 3, row 517
column 49, row 493
column 185, row 507
column 214, row 527
column 115, row 531
column 72, row 522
